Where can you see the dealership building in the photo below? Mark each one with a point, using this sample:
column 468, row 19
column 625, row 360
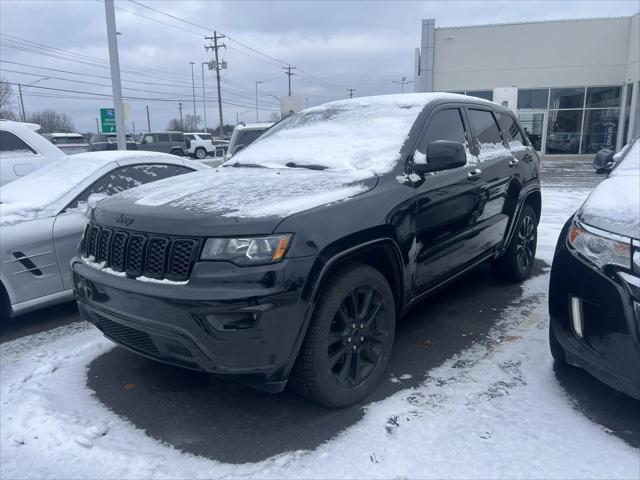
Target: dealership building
column 575, row 84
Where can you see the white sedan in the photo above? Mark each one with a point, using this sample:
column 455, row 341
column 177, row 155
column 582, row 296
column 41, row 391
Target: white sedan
column 42, row 217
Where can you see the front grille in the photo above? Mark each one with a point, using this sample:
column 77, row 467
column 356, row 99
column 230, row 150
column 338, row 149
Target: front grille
column 127, row 336
column 140, row 254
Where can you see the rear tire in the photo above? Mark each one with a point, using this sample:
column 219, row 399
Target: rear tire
column 516, row 262
column 200, row 153
column 349, row 340
column 177, row 152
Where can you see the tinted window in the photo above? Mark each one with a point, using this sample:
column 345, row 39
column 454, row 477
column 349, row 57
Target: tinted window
column 566, row 98
column 163, row 137
column 124, row 178
column 537, row 98
column 190, row 137
column 510, row 129
column 177, row 137
column 14, row 144
column 245, row 137
column 445, row 125
column 484, row 127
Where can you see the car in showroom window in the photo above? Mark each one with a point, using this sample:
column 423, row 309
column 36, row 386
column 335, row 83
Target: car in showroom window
column 293, row 261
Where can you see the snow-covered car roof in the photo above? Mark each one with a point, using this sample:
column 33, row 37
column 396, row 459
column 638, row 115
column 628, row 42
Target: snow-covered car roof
column 361, row 135
column 614, row 205
column 28, row 133
column 66, row 135
column 35, row 193
column 253, row 126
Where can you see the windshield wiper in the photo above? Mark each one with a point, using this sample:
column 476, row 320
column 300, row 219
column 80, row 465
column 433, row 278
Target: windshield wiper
column 308, row 167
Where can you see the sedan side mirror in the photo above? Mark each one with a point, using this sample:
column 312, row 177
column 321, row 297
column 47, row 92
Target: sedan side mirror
column 442, row 155
column 603, row 161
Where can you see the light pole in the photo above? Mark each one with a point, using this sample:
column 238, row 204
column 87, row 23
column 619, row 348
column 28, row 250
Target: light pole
column 114, row 63
column 257, row 82
column 204, row 105
column 193, row 89
column 23, row 113
column 97, row 125
column 402, row 83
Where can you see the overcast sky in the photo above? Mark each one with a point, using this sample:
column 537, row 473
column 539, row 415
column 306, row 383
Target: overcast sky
column 335, row 45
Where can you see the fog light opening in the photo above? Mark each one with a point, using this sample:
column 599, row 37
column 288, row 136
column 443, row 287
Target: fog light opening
column 576, row 316
column 233, row 321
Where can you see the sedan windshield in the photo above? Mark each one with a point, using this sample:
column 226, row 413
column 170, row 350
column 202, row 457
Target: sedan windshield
column 362, row 135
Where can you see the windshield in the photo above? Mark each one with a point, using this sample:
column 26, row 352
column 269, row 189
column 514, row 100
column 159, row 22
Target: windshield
column 360, row 135
column 243, row 137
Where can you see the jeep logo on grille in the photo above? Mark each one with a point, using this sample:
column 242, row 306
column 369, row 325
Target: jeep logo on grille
column 125, row 220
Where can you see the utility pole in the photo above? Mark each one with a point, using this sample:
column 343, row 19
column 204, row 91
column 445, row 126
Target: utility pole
column 115, row 73
column 351, row 90
column 181, row 123
column 97, row 125
column 289, row 73
column 204, row 104
column 24, row 119
column 257, row 82
column 193, row 89
column 148, row 121
column 402, row 83
column 217, row 36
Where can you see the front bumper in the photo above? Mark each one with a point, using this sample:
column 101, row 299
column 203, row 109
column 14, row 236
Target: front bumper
column 246, row 322
column 609, row 347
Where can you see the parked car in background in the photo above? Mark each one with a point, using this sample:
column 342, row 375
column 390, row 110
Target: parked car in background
column 23, row 150
column 165, row 142
column 69, row 143
column 243, row 135
column 297, row 270
column 42, row 217
column 594, row 291
column 107, row 141
column 199, row 145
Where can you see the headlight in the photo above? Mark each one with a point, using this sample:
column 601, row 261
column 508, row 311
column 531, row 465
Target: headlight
column 599, row 249
column 247, row 251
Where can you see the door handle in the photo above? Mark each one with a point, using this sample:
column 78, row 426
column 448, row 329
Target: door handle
column 474, row 174
column 514, row 162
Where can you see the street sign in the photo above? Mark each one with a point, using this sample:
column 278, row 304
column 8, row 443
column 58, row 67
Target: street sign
column 108, row 120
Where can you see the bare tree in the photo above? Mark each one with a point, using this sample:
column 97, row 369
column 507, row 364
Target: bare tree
column 174, row 125
column 6, row 101
column 189, row 123
column 51, row 121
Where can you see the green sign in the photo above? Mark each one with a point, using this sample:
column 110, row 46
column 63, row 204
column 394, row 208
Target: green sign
column 108, row 120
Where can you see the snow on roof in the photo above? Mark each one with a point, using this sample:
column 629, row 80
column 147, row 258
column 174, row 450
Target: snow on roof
column 253, row 126
column 33, row 126
column 614, row 205
column 362, row 135
column 37, row 193
column 68, row 135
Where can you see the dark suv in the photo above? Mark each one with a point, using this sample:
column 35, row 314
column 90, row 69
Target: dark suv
column 165, row 142
column 103, row 141
column 293, row 260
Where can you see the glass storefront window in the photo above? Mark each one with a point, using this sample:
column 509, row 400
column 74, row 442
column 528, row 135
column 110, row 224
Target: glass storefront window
column 602, row 97
column 563, row 132
column 566, row 98
column 536, row 98
column 600, row 129
column 486, row 94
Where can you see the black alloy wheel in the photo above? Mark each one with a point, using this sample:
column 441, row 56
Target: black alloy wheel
column 526, row 243
column 516, row 262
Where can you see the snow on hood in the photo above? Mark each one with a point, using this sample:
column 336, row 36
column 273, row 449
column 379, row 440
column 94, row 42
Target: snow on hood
column 614, row 205
column 37, row 194
column 247, row 192
column 359, row 135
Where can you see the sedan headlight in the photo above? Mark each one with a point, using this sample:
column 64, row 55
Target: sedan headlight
column 247, row 251
column 600, row 249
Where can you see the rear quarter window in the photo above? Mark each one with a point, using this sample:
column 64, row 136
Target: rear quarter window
column 10, row 143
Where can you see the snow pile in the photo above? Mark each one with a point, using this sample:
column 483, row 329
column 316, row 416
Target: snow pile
column 249, row 192
column 614, row 205
column 362, row 135
column 39, row 193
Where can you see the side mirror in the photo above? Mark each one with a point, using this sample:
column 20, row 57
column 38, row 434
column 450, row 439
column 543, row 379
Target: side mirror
column 603, row 161
column 441, row 155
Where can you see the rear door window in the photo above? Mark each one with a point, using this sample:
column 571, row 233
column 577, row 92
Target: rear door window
column 486, row 130
column 10, row 143
column 163, row 137
column 511, row 131
column 177, row 137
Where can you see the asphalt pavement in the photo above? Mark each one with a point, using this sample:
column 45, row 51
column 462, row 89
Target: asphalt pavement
column 220, row 419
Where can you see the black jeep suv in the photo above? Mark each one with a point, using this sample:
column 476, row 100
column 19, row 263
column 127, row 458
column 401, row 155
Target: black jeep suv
column 293, row 260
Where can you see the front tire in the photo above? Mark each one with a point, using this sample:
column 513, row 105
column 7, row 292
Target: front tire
column 349, row 340
column 517, row 261
column 200, row 153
